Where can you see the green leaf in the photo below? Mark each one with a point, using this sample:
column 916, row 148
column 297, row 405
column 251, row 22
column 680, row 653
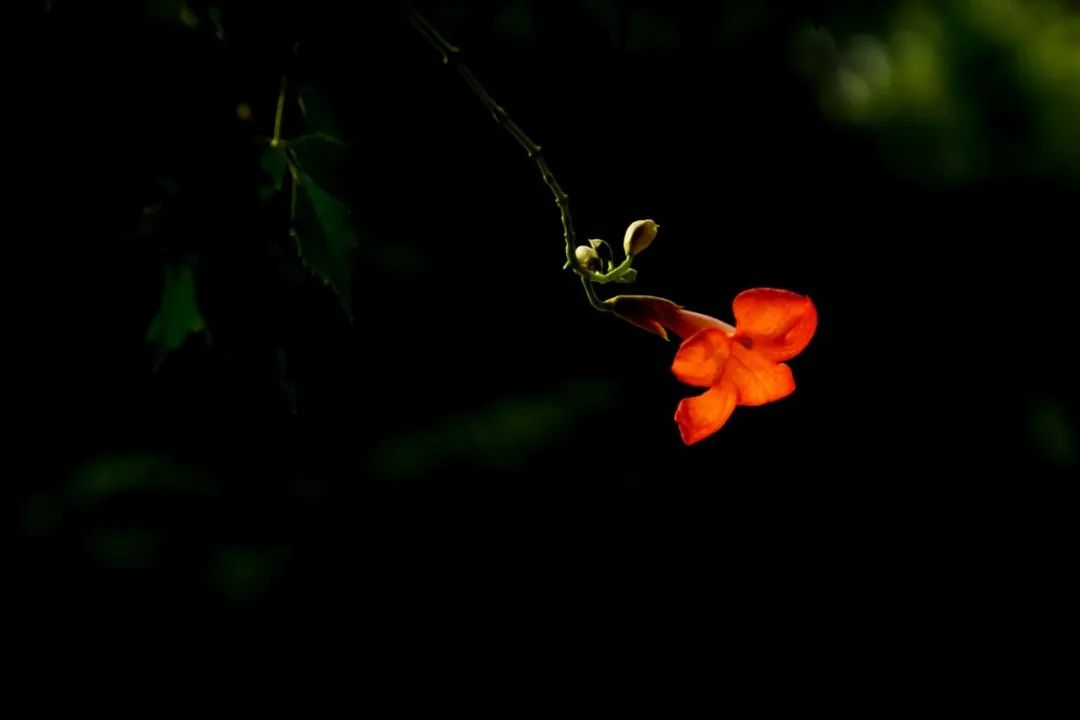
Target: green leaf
column 318, row 156
column 317, row 112
column 325, row 237
column 274, row 164
column 178, row 315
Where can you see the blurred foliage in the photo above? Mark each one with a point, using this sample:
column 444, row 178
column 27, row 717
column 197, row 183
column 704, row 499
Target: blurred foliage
column 516, row 20
column 503, row 436
column 108, row 478
column 119, row 509
column 41, row 516
column 1053, row 433
column 125, row 548
column 959, row 90
column 243, row 573
column 649, row 30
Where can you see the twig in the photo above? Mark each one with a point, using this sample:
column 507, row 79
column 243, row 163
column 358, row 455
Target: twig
column 279, row 112
column 451, row 55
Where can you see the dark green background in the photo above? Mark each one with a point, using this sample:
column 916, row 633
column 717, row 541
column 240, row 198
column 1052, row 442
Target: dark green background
column 477, row 446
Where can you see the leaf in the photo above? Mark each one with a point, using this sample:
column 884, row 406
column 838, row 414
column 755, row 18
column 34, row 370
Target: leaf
column 317, row 112
column 178, row 315
column 273, row 163
column 324, row 234
column 325, row 237
column 319, row 156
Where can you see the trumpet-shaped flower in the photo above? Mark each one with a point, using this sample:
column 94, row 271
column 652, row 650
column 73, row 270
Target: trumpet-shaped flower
column 742, row 364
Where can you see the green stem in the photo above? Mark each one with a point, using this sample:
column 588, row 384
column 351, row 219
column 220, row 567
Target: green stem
column 278, row 114
column 614, row 274
column 594, row 299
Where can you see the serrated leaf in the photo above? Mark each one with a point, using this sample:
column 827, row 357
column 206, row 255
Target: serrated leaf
column 317, row 112
column 325, row 237
column 178, row 316
column 318, row 156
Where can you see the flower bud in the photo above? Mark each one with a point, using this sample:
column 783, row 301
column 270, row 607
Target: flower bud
column 588, row 258
column 639, row 236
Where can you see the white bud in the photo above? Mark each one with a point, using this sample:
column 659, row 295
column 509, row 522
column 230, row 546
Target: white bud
column 588, row 258
column 639, row 236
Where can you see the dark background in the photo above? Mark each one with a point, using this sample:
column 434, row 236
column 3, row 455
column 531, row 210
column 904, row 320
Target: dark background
column 477, row 447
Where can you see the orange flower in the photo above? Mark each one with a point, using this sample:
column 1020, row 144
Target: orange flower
column 741, row 365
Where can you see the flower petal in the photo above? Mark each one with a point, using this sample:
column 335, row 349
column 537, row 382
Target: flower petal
column 686, row 323
column 701, row 358
column 778, row 323
column 701, row 416
column 756, row 378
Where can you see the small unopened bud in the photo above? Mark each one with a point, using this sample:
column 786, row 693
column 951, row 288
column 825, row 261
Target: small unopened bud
column 588, row 258
column 639, row 236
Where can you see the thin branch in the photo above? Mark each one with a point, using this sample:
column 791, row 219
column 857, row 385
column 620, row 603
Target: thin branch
column 451, row 55
column 279, row 112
